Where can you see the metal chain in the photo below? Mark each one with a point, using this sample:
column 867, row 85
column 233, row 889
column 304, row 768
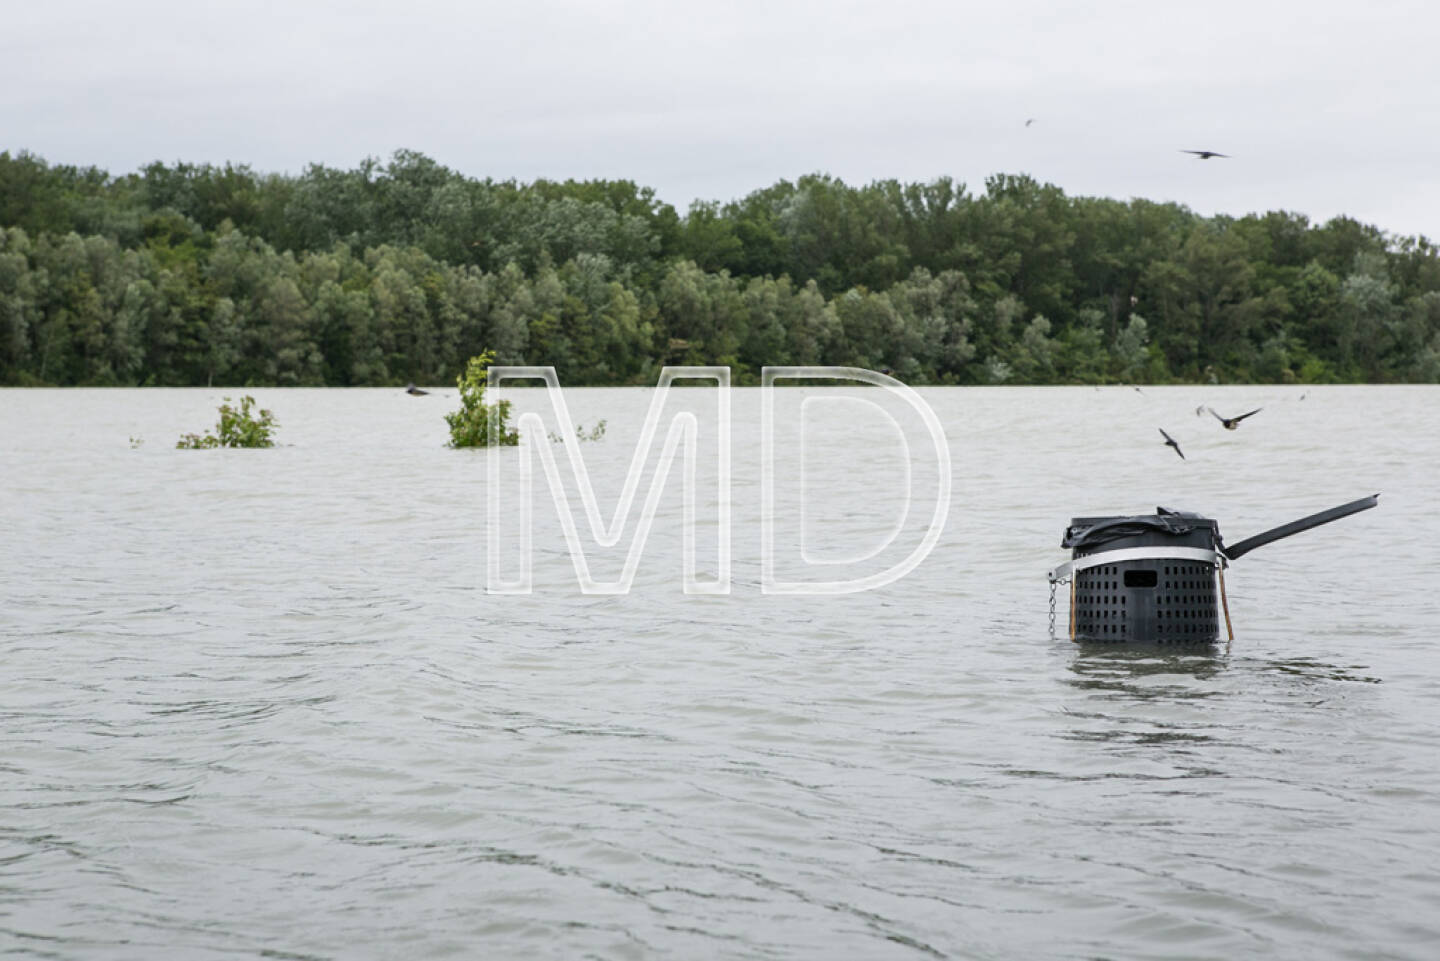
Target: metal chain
column 1052, row 610
column 1058, row 580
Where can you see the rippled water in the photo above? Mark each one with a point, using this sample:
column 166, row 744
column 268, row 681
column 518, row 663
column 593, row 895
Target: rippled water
column 258, row 703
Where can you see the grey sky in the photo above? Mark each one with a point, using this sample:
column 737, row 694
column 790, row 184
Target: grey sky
column 1327, row 108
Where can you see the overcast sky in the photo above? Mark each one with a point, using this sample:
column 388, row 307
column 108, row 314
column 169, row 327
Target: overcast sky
column 1326, row 108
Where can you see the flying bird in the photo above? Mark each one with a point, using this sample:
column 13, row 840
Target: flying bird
column 1030, row 121
column 1205, row 154
column 1170, row 442
column 1233, row 422
column 414, row 391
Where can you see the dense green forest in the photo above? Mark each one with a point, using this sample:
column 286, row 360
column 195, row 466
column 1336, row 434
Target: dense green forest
column 394, row 272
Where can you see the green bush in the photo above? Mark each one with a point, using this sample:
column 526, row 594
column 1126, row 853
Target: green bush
column 236, row 428
column 470, row 425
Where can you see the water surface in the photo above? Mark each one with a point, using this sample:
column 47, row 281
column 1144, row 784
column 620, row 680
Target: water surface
column 258, row 703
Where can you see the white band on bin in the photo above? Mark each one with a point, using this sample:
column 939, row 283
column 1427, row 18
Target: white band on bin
column 1079, row 564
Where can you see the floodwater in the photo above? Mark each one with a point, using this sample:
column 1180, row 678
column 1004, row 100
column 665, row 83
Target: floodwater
column 260, row 704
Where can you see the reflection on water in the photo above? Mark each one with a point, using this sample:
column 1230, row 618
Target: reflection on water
column 1311, row 669
column 1163, row 705
column 1112, row 667
column 1142, row 702
column 1122, row 668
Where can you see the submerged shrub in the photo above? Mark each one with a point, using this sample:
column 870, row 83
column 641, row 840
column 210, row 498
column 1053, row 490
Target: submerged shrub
column 595, row 433
column 236, row 428
column 470, row 426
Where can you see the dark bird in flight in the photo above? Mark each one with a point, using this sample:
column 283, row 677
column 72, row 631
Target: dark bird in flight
column 1030, row 121
column 1233, row 422
column 1170, row 442
column 1205, row 154
column 414, row 391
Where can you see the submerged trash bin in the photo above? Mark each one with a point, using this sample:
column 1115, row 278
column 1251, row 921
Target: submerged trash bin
column 1158, row 577
column 1147, row 577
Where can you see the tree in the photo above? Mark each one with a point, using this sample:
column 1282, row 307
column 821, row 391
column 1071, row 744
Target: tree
column 1033, row 359
column 1129, row 353
column 1368, row 314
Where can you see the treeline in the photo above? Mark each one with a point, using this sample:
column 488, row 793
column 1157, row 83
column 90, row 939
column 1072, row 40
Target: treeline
column 395, row 272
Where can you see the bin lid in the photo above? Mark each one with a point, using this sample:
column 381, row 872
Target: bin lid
column 1088, row 532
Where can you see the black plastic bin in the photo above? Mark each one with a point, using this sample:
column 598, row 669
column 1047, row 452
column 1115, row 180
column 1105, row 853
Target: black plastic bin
column 1154, row 578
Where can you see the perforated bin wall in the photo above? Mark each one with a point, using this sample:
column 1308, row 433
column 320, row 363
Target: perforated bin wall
column 1186, row 603
column 1147, row 600
column 1102, row 604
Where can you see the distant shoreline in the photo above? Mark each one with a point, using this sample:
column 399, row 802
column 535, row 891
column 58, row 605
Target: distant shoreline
column 399, row 272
